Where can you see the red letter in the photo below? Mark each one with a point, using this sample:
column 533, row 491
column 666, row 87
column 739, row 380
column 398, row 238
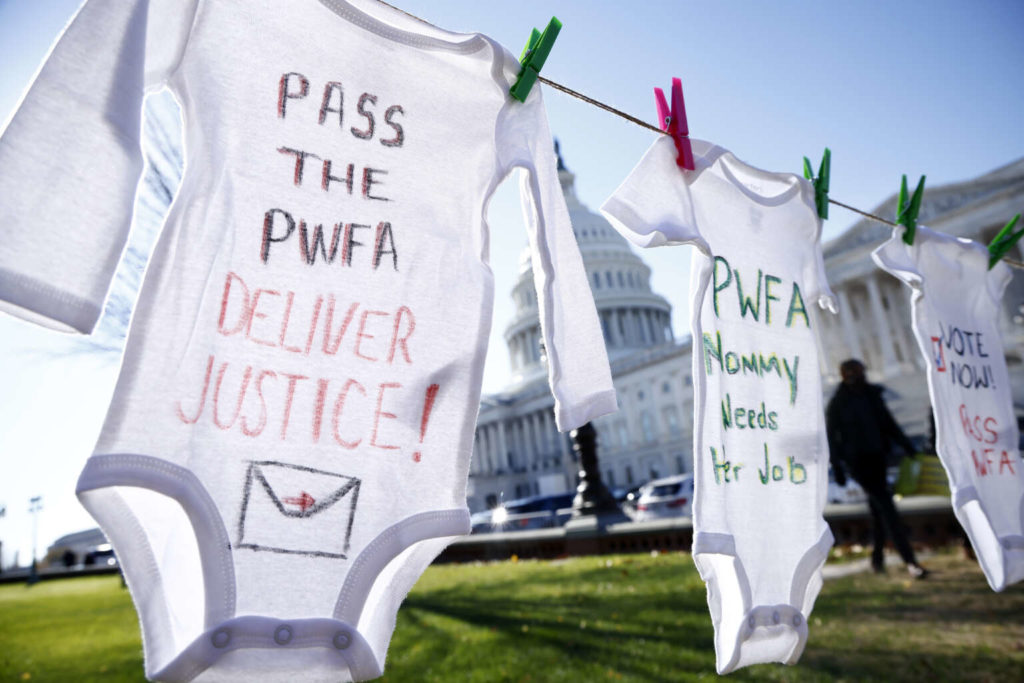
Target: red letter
column 318, row 409
column 284, row 325
column 360, row 335
column 1005, row 460
column 243, row 319
column 991, row 430
column 263, row 406
column 965, row 420
column 292, row 380
column 339, row 405
column 378, row 414
column 241, row 394
column 254, row 314
column 202, row 397
column 312, row 323
column 329, row 348
column 396, row 340
column 979, row 467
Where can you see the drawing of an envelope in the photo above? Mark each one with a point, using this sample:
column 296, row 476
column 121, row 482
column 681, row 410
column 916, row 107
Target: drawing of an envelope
column 298, row 510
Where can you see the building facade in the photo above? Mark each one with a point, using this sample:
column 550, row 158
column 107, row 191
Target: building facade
column 518, row 452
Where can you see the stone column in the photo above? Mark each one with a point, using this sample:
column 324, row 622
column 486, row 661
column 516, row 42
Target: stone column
column 614, row 338
column 539, row 433
column 492, row 448
column 882, row 331
column 529, row 429
column 849, row 325
column 503, row 461
column 474, row 459
column 515, row 458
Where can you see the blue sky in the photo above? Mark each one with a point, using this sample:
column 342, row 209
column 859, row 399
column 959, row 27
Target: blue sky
column 892, row 87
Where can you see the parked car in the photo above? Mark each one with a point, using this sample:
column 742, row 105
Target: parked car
column 535, row 512
column 480, row 522
column 628, row 498
column 667, row 497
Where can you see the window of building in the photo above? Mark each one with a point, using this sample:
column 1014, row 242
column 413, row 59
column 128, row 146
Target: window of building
column 640, row 395
column 629, row 475
column 623, row 434
column 666, row 388
column 672, row 420
column 608, row 278
column 629, row 278
column 647, row 424
column 680, row 465
column 622, row 281
column 610, row 477
column 597, row 280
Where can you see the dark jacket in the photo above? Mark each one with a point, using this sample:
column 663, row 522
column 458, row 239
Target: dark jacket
column 861, row 431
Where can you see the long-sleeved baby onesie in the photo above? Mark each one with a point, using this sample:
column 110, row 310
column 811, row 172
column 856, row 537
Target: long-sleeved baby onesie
column 955, row 302
column 760, row 455
column 289, row 440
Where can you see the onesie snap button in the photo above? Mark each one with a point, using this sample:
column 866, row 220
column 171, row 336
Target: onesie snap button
column 342, row 640
column 775, row 617
column 283, row 635
column 220, row 638
column 796, row 620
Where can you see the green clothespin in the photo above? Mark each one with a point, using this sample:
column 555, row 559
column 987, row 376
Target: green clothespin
column 534, row 55
column 1003, row 242
column 906, row 214
column 821, row 182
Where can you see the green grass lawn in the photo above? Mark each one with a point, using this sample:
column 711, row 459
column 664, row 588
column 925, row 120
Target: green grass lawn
column 617, row 618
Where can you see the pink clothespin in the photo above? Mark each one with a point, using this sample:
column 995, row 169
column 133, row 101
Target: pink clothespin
column 674, row 122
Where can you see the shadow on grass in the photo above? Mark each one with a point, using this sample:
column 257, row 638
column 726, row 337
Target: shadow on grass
column 650, row 622
column 591, row 622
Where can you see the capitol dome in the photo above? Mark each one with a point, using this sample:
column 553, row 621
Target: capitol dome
column 632, row 316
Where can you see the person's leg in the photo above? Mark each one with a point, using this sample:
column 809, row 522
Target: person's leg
column 887, row 511
column 877, row 534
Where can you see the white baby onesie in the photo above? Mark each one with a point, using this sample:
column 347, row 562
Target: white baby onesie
column 955, row 302
column 760, row 454
column 289, row 441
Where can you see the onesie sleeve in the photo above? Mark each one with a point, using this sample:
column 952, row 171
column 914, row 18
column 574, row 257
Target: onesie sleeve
column 653, row 206
column 997, row 280
column 70, row 158
column 896, row 257
column 577, row 361
column 815, row 281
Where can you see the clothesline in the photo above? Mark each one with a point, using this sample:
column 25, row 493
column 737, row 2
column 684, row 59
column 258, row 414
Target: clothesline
column 643, row 124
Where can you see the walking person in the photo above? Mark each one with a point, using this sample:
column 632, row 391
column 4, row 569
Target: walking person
column 860, row 434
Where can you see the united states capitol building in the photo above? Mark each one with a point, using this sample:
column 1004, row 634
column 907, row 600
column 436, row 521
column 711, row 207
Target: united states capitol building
column 518, row 452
